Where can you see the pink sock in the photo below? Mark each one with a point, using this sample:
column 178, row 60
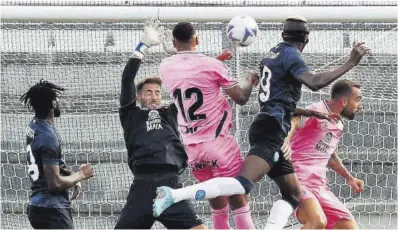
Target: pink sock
column 220, row 218
column 243, row 218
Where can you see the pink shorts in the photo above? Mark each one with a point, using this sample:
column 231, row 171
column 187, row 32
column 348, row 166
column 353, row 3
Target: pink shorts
column 217, row 158
column 333, row 208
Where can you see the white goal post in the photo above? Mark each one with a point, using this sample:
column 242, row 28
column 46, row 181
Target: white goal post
column 198, row 14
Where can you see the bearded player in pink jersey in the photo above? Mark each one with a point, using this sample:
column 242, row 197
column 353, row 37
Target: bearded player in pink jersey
column 313, row 144
column 205, row 118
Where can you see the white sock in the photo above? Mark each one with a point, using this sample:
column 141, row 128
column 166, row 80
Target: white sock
column 279, row 215
column 220, row 186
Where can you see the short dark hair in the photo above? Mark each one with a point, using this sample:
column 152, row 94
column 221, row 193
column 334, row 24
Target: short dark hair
column 184, row 31
column 342, row 88
column 40, row 97
column 295, row 29
column 149, row 80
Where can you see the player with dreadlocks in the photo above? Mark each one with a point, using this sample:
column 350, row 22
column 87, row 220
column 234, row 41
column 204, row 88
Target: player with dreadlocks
column 283, row 71
column 49, row 205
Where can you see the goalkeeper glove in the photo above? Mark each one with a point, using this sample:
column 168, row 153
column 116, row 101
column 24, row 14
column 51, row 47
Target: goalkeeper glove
column 151, row 37
column 167, row 42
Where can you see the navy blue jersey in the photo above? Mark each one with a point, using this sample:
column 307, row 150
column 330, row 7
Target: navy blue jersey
column 44, row 148
column 280, row 89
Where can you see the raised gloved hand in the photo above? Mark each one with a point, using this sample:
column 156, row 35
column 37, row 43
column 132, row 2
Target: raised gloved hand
column 152, row 36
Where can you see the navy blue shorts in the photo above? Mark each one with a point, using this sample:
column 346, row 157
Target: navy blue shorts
column 50, row 218
column 266, row 139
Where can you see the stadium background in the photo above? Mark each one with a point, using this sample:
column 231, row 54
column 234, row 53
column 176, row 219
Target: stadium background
column 87, row 58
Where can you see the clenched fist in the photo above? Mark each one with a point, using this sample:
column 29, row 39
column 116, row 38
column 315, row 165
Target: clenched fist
column 86, row 171
column 253, row 77
column 356, row 184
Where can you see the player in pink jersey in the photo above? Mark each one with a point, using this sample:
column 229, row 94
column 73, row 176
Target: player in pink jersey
column 313, row 144
column 195, row 82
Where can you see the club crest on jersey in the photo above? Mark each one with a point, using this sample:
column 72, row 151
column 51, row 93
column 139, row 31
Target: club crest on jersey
column 324, row 125
column 328, row 137
column 154, row 121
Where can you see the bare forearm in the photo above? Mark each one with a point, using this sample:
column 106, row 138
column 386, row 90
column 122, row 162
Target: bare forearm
column 316, row 81
column 302, row 112
column 295, row 124
column 240, row 94
column 246, row 91
column 291, row 132
column 308, row 113
column 63, row 183
column 325, row 78
column 337, row 165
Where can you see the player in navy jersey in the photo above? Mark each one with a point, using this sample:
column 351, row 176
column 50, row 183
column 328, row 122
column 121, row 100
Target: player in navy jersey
column 49, row 205
column 283, row 72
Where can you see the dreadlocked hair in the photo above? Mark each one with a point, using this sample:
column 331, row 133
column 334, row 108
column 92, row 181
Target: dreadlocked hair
column 40, row 97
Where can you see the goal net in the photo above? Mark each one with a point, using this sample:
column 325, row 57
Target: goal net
column 87, row 58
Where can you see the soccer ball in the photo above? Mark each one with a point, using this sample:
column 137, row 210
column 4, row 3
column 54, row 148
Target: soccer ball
column 242, row 30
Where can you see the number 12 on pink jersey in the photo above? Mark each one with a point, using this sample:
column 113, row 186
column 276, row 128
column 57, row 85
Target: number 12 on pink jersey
column 189, row 115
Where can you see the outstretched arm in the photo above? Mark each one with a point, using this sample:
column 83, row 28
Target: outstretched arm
column 151, row 37
column 316, row 81
column 312, row 113
column 128, row 90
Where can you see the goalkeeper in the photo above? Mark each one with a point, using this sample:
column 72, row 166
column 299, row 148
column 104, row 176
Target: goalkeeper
column 156, row 155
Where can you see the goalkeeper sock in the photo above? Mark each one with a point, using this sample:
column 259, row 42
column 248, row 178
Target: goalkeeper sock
column 220, row 186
